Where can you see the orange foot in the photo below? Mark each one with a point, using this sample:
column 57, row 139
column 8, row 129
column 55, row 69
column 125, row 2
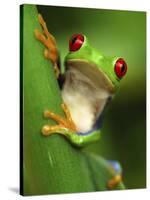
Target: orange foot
column 63, row 124
column 51, row 52
column 114, row 181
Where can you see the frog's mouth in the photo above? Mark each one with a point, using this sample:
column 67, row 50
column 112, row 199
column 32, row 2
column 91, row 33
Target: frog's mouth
column 90, row 70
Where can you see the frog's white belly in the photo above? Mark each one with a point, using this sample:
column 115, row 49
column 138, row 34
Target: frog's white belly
column 81, row 111
column 84, row 101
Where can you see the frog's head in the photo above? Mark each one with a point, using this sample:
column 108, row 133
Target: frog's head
column 104, row 71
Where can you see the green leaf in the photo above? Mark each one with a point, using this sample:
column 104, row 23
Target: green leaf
column 50, row 164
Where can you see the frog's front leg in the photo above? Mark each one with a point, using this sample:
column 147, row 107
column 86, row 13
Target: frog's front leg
column 67, row 128
column 64, row 124
column 47, row 39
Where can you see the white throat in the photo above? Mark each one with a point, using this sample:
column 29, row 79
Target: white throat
column 84, row 100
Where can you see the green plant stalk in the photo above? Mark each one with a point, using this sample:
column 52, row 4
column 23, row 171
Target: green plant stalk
column 51, row 164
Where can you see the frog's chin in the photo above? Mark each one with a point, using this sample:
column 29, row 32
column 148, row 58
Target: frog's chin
column 90, row 70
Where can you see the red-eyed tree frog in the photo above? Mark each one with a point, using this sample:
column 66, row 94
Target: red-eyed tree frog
column 88, row 84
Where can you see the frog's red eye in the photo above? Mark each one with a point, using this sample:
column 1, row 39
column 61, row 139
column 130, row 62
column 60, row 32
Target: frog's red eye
column 120, row 68
column 76, row 42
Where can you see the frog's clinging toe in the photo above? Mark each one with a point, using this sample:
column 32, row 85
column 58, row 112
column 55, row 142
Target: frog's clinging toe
column 46, row 54
column 48, row 130
column 47, row 39
column 45, row 130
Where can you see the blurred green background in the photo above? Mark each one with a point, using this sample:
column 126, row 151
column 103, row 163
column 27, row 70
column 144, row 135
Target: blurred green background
column 115, row 33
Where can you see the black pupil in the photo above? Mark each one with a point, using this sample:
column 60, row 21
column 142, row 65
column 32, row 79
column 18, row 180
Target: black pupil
column 122, row 68
column 73, row 40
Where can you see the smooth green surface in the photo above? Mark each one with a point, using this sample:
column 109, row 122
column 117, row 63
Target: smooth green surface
column 119, row 33
column 50, row 164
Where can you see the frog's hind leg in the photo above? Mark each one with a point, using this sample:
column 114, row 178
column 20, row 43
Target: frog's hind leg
column 112, row 183
column 117, row 177
column 46, row 38
column 67, row 128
